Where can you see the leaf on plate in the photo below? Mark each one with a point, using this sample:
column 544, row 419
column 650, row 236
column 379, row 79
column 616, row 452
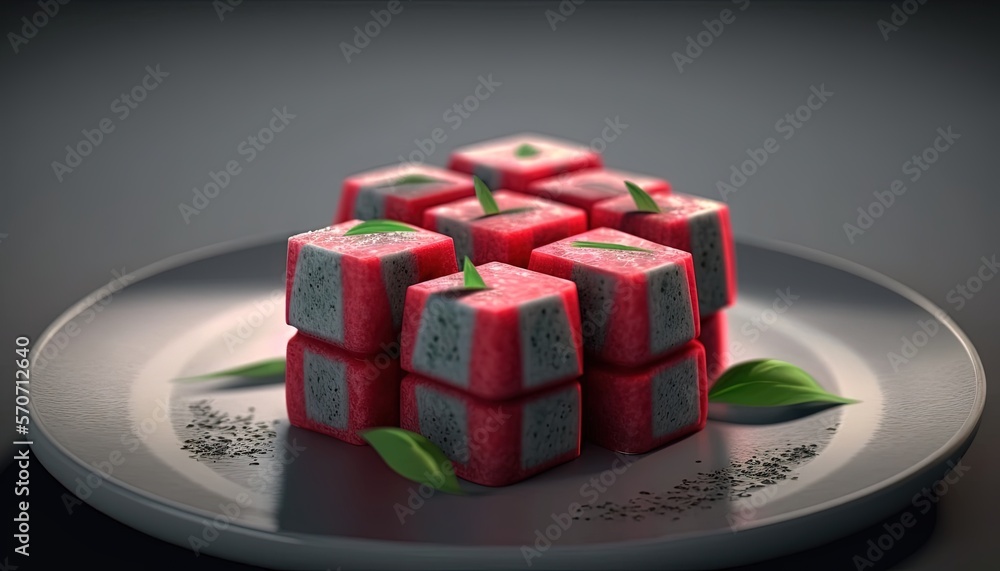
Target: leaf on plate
column 485, row 197
column 643, row 201
column 266, row 368
column 413, row 457
column 770, row 382
column 526, row 151
column 606, row 246
column 471, row 276
column 378, row 227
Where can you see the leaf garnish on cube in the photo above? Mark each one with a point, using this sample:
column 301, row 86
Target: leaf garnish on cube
column 412, row 179
column 260, row 369
column 770, row 382
column 414, row 457
column 471, row 277
column 526, row 151
column 643, row 201
column 606, row 246
column 485, row 197
column 379, row 227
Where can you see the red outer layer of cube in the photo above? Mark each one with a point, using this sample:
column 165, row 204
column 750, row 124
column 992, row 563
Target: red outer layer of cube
column 618, row 405
column 509, row 238
column 367, row 315
column 585, row 188
column 494, row 429
column 627, row 336
column 495, row 369
column 403, row 207
column 515, row 173
column 715, row 337
column 372, row 386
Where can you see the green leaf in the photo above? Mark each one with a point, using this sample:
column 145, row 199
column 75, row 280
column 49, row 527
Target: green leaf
column 413, row 179
column 378, row 227
column 606, row 246
column 643, row 201
column 472, row 278
column 414, row 457
column 267, row 368
column 485, row 197
column 526, row 151
column 770, row 382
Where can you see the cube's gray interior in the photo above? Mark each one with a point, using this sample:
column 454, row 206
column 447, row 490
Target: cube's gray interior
column 676, row 402
column 316, row 305
column 550, row 427
column 325, row 385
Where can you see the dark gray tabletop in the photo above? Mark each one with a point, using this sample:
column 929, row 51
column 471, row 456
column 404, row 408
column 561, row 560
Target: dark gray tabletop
column 852, row 105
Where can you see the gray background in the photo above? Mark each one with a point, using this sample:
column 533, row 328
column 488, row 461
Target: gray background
column 119, row 208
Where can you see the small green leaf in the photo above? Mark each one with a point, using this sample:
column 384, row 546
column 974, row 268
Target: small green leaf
column 472, row 278
column 267, row 368
column 526, row 151
column 378, row 227
column 770, row 382
column 413, row 179
column 643, row 201
column 606, row 246
column 414, row 457
column 485, row 197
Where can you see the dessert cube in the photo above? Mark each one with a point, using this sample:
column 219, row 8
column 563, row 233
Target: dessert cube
column 495, row 443
column 635, row 306
column 524, row 223
column 349, row 290
column 513, row 162
column 337, row 393
column 690, row 223
column 520, row 334
column 400, row 192
column 585, row 188
column 636, row 410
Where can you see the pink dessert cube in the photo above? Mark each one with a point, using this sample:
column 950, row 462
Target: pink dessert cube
column 636, row 410
column 519, row 335
column 689, row 223
column 585, row 188
column 400, row 192
column 337, row 393
column 495, row 443
column 513, row 162
column 507, row 237
column 349, row 290
column 635, row 306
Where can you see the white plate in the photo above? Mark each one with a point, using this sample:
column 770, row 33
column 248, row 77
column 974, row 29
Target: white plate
column 103, row 399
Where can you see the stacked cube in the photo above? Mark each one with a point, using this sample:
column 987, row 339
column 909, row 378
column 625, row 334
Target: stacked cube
column 495, row 376
column 344, row 294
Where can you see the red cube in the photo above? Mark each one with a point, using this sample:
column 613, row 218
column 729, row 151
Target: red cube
column 697, row 225
column 519, row 335
column 495, row 443
column 635, row 306
column 636, row 410
column 513, row 162
column 400, row 192
column 349, row 290
column 524, row 223
column 337, row 393
column 585, row 188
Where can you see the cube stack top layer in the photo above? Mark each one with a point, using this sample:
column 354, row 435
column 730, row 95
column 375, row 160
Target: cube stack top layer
column 388, row 176
column 363, row 246
column 528, row 210
column 499, row 164
column 623, row 262
column 585, row 187
column 507, row 286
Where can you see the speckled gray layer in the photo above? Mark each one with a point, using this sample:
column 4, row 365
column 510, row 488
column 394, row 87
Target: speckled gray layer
column 444, row 421
column 671, row 321
column 317, row 300
column 399, row 271
column 461, row 235
column 676, row 401
column 547, row 349
column 491, row 176
column 325, row 384
column 709, row 256
column 443, row 347
column 596, row 291
column 550, row 427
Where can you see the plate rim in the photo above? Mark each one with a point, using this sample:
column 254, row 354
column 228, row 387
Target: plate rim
column 959, row 441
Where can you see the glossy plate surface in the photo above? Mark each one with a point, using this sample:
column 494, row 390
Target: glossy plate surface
column 215, row 465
